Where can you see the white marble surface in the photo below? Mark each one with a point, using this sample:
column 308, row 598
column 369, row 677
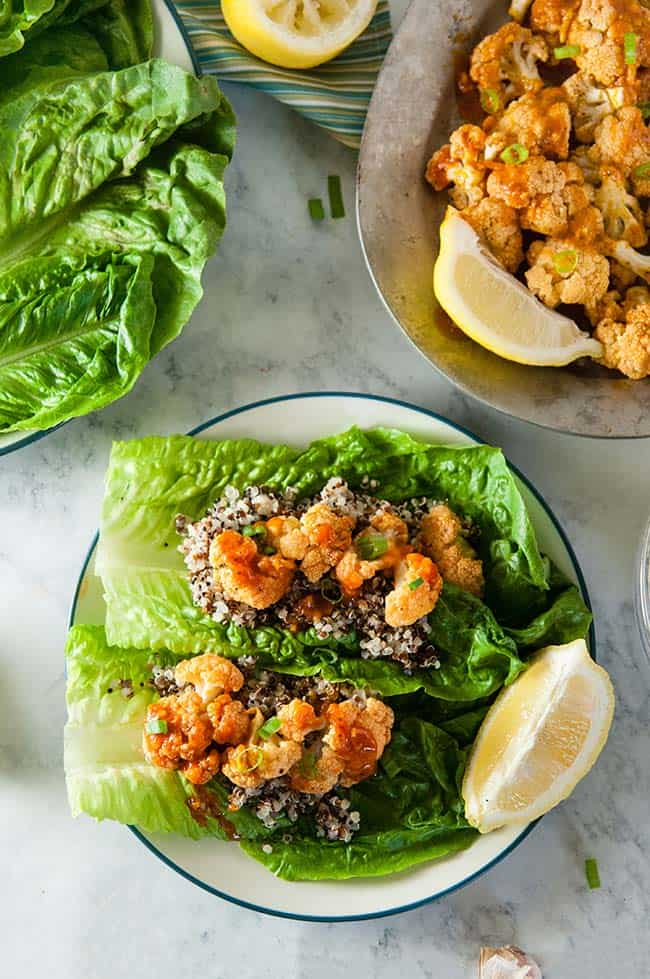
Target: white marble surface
column 289, row 307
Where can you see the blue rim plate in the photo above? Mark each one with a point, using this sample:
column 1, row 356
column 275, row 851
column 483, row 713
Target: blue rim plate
column 384, row 406
column 172, row 42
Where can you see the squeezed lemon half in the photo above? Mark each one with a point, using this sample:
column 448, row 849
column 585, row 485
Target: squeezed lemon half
column 540, row 737
column 297, row 33
column 495, row 309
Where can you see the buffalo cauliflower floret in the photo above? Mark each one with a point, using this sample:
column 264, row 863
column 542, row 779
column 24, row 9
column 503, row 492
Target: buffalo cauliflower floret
column 553, row 18
column 328, row 537
column 505, row 63
column 519, row 184
column 210, row 675
column 590, row 104
column 286, row 536
column 588, row 159
column 518, row 10
column 352, row 570
column 608, row 306
column 630, row 259
column 541, row 121
column 549, row 196
column 442, row 537
column 257, row 760
column 498, row 226
column 230, row 720
column 177, row 733
column 317, row 772
column 417, row 589
column 297, row 720
column 560, row 272
column 597, row 28
column 623, row 141
column 245, row 575
column 621, row 211
column 358, row 735
column 626, row 338
column 461, row 163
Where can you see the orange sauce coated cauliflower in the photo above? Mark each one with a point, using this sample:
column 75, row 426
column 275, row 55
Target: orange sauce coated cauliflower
column 245, row 575
column 187, row 736
column 230, row 719
column 417, row 589
column 358, row 736
column 442, row 537
column 298, row 720
column 328, row 537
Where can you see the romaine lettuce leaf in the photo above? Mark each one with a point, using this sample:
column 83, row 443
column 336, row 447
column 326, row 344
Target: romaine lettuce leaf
column 106, row 774
column 99, row 270
column 20, row 22
column 411, row 810
column 149, row 601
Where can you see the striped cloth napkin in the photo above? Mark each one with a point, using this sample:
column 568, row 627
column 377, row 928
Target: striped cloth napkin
column 334, row 96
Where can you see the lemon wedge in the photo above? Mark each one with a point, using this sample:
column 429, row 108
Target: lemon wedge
column 497, row 311
column 297, row 33
column 540, row 737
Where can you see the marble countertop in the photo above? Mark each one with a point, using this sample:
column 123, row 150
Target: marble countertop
column 290, row 307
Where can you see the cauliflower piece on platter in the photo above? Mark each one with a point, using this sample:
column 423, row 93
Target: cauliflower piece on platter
column 621, row 211
column 498, row 226
column 540, row 121
column 625, row 336
column 505, row 64
column 623, row 141
column 561, row 271
column 461, row 162
column 590, row 103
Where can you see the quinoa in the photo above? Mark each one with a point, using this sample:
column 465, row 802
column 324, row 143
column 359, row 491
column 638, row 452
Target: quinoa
column 275, row 800
column 360, row 619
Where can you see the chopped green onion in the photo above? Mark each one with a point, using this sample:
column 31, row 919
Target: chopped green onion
column 645, row 109
column 514, row 154
column 336, row 196
column 566, row 51
column 565, row 262
column 642, row 171
column 269, row 727
column 156, row 726
column 416, row 583
column 490, row 100
column 245, row 768
column 371, row 546
column 591, row 873
column 308, row 765
column 316, row 209
column 630, row 41
column 331, row 591
column 254, row 530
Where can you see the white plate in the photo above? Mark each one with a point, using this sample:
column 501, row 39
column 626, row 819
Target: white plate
column 171, row 43
column 222, row 868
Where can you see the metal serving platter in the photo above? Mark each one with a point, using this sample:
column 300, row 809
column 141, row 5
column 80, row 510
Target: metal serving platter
column 412, row 112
